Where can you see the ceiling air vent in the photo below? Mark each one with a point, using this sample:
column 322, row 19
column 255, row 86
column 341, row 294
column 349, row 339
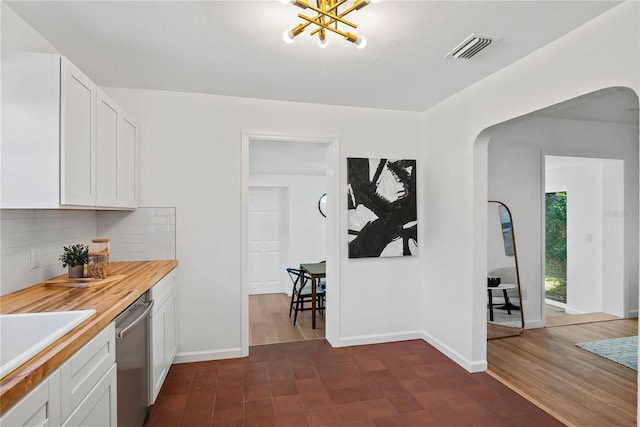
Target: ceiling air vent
column 471, row 46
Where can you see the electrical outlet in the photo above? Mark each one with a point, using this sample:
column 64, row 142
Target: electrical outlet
column 34, row 258
column 524, row 293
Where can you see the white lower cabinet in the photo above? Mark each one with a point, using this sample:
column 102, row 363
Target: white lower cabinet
column 82, row 392
column 84, row 374
column 99, row 408
column 163, row 333
column 41, row 407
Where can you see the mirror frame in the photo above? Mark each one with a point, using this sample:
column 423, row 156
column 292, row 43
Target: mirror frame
column 515, row 259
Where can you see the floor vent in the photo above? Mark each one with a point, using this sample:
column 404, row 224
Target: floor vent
column 471, row 46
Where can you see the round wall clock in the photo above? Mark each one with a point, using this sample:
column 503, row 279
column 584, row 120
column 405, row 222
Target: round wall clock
column 322, row 205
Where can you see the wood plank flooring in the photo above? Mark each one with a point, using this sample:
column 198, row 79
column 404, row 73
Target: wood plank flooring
column 269, row 321
column 564, row 319
column 577, row 387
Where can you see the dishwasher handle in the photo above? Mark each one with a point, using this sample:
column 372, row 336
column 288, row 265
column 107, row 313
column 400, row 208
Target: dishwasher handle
column 123, row 332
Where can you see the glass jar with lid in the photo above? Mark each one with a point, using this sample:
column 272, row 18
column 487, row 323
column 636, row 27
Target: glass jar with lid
column 98, row 265
column 101, row 247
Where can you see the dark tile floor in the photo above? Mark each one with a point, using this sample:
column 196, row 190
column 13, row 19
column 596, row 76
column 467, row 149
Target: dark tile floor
column 309, row 383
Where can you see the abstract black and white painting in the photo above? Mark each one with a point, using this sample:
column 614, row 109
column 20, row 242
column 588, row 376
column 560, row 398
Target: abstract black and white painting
column 383, row 219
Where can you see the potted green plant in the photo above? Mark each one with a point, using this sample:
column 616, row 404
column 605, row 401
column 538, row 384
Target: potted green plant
column 75, row 256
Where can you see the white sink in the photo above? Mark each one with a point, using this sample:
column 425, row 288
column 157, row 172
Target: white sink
column 24, row 335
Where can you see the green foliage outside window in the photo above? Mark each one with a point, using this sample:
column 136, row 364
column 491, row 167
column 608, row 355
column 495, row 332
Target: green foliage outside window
column 556, row 247
column 556, row 233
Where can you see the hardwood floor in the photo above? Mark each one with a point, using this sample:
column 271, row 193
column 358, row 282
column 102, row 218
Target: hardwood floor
column 269, row 321
column 557, row 317
column 577, row 387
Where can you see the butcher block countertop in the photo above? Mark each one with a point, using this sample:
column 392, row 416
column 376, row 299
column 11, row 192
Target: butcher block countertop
column 108, row 300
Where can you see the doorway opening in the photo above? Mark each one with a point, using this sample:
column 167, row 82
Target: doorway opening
column 597, row 127
column 556, row 248
column 584, row 243
column 284, row 180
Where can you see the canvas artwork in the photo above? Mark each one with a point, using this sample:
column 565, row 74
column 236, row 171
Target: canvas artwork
column 383, row 219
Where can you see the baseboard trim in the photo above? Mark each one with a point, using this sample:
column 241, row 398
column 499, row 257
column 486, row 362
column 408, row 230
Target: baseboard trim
column 633, row 314
column 378, row 338
column 533, row 324
column 471, row 366
column 206, row 355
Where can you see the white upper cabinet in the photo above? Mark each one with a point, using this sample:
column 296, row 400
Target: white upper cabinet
column 116, row 143
column 30, row 143
column 64, row 142
column 127, row 162
column 107, row 148
column 77, row 137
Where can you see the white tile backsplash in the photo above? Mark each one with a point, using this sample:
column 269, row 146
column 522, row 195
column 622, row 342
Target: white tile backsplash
column 144, row 234
column 44, row 231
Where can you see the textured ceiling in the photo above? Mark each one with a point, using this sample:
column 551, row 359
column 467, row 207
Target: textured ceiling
column 235, row 47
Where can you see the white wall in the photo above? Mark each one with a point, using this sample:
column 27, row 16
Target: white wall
column 613, row 254
column 602, row 53
column 190, row 151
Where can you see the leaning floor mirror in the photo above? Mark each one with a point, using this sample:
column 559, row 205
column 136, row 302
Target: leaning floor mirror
column 504, row 299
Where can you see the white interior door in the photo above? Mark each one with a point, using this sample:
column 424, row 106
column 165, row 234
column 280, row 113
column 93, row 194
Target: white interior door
column 265, row 231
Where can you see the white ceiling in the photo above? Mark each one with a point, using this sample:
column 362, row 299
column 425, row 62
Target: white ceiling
column 235, row 47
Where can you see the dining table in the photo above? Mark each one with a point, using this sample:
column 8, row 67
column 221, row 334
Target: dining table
column 317, row 271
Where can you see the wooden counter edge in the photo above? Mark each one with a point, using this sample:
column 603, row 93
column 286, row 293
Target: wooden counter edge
column 18, row 383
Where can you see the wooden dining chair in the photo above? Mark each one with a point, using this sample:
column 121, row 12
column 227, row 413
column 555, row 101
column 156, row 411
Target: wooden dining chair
column 323, row 281
column 301, row 293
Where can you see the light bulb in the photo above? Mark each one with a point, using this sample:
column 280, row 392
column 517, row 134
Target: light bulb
column 323, row 42
column 288, row 36
column 360, row 42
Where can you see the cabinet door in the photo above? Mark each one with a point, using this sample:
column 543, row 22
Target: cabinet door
column 99, row 408
column 170, row 341
column 107, row 122
column 41, row 407
column 164, row 343
column 30, row 158
column 159, row 367
column 127, row 163
column 77, row 137
column 80, row 374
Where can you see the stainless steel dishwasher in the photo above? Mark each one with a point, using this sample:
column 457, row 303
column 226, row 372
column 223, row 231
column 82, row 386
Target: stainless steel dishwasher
column 132, row 360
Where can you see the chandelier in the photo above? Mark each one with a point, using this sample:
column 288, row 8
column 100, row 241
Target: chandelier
column 327, row 18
